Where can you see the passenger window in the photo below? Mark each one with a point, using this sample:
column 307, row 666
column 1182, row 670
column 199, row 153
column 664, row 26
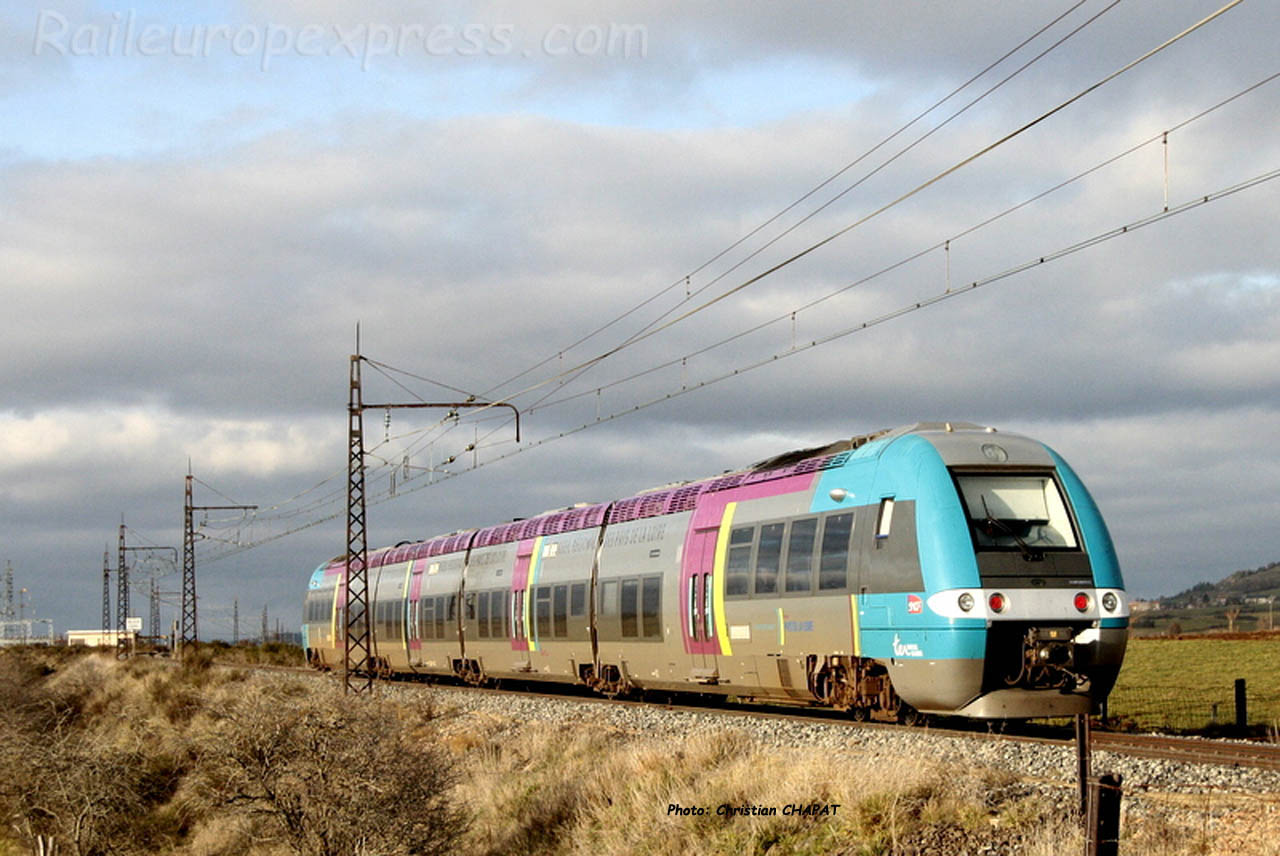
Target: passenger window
column 578, row 600
column 609, row 598
column 800, row 554
column 651, row 607
column 560, row 611
column 768, row 558
column 833, row 567
column 885, row 521
column 471, row 607
column 708, row 611
column 498, row 614
column 737, row 569
column 542, row 612
column 694, row 629
column 482, row 611
column 630, row 608
column 439, row 617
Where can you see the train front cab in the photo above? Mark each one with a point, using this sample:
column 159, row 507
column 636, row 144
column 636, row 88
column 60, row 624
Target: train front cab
column 320, row 638
column 1021, row 610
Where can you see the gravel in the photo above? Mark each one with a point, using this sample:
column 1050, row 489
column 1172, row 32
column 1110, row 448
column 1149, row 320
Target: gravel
column 1028, row 760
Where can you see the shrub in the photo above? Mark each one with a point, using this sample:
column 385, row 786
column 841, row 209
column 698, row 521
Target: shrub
column 327, row 774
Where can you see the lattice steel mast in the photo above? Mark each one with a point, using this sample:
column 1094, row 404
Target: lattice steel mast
column 357, row 665
column 357, row 671
column 106, row 591
column 189, row 633
column 122, row 589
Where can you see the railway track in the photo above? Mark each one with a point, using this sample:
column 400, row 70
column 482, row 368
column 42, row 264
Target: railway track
column 1190, row 750
column 1186, row 750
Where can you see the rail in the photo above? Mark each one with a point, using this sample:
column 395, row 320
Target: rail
column 1186, row 750
column 1189, row 750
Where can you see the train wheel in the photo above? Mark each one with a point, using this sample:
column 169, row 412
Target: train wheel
column 908, row 715
column 859, row 714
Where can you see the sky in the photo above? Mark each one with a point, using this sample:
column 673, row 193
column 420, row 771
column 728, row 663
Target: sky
column 679, row 236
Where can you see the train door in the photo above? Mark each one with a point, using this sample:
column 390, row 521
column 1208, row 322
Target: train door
column 413, row 627
column 697, row 597
column 521, row 607
column 372, row 579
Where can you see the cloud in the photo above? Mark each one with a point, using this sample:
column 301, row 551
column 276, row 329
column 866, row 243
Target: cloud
column 199, row 298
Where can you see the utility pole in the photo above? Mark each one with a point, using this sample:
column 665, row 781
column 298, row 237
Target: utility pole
column 357, row 665
column 106, row 591
column 262, row 640
column 122, row 589
column 122, row 585
column 235, row 622
column 357, row 668
column 189, row 631
column 8, row 591
column 153, row 622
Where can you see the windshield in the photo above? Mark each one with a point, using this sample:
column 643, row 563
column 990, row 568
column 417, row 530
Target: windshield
column 1017, row 512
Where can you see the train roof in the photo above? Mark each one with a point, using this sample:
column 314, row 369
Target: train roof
column 671, row 499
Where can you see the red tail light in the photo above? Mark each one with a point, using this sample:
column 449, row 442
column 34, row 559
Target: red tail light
column 997, row 602
column 1081, row 601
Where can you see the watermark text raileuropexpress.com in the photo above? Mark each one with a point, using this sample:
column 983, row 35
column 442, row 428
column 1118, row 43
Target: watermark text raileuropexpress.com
column 123, row 34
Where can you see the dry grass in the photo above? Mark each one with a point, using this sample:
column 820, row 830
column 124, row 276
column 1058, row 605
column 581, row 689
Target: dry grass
column 135, row 757
column 576, row 790
column 214, row 762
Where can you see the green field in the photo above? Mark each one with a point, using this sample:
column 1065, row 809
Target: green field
column 1201, row 619
column 1186, row 684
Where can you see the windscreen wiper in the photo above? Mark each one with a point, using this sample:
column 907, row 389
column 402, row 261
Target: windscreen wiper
column 1028, row 554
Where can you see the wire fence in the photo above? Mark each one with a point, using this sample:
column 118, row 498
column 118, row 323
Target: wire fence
column 1183, row 708
column 1217, row 821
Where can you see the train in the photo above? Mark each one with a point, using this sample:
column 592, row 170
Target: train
column 934, row 569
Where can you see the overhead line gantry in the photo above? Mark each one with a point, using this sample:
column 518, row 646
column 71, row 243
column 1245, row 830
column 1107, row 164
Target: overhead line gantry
column 188, row 633
column 357, row 662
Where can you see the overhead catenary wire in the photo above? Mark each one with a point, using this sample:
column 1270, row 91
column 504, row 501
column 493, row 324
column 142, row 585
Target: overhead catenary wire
column 684, row 279
column 723, row 296
column 914, row 306
column 919, row 188
column 942, row 244
column 881, row 166
column 1110, row 160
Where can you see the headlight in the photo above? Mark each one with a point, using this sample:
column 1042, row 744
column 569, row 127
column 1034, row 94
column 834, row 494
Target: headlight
column 1081, row 601
column 1110, row 601
column 966, row 601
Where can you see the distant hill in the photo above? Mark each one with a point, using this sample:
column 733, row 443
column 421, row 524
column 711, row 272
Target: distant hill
column 1239, row 587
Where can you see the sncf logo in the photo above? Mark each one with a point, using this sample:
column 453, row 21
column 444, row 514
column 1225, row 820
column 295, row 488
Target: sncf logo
column 914, row 604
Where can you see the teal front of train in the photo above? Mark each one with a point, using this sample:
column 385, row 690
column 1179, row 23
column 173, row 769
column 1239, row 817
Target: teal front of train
column 989, row 585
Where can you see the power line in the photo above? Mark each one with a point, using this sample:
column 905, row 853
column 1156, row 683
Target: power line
column 425, row 435
column 1037, row 261
column 795, row 311
column 906, row 309
column 685, row 279
column 380, row 366
column 899, row 153
column 883, row 208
